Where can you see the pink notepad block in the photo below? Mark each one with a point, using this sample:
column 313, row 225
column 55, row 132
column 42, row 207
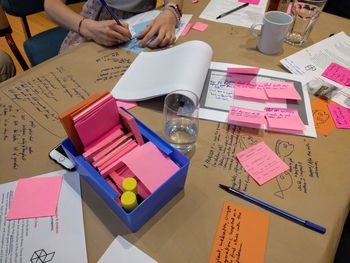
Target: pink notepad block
column 126, row 104
column 281, row 90
column 261, row 163
column 338, row 74
column 35, row 197
column 248, row 71
column 150, row 165
column 340, row 115
column 242, row 115
column 186, row 29
column 200, row 26
column 284, row 119
column 252, row 2
column 130, row 123
column 250, row 90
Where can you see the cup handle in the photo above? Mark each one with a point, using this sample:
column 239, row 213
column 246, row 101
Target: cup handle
column 252, row 29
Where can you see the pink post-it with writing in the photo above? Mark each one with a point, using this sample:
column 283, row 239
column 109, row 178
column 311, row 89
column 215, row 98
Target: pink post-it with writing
column 248, row 71
column 200, row 26
column 252, row 2
column 35, row 197
column 261, row 163
column 249, row 90
column 150, row 165
column 340, row 115
column 126, row 104
column 281, row 90
column 186, row 29
column 243, row 115
column 285, row 119
column 338, row 74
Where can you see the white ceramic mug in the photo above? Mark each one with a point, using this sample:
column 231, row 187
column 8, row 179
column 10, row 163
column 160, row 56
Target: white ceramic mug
column 274, row 29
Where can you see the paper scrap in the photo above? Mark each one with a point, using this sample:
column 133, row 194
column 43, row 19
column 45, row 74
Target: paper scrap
column 241, row 235
column 252, row 2
column 126, row 104
column 281, row 90
column 340, row 115
column 200, row 26
column 261, row 163
column 35, row 197
column 186, row 29
column 322, row 117
column 248, row 71
column 250, row 90
column 248, row 116
column 285, row 119
column 122, row 251
column 338, row 74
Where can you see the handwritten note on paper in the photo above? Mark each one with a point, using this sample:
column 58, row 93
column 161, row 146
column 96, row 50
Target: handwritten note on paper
column 35, row 197
column 337, row 73
column 340, row 115
column 281, row 90
column 242, row 115
column 261, row 163
column 322, row 117
column 285, row 119
column 250, row 90
column 241, row 235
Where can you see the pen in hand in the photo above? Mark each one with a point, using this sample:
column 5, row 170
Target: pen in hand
column 114, row 16
column 231, row 11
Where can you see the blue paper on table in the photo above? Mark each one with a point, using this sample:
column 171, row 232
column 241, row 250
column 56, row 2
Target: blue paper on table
column 133, row 44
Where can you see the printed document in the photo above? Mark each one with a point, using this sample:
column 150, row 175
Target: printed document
column 58, row 238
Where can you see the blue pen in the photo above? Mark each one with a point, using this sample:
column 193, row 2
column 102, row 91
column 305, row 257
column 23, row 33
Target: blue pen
column 276, row 210
column 115, row 17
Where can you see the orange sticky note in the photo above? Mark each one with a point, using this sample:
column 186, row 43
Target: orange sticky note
column 322, row 118
column 241, row 235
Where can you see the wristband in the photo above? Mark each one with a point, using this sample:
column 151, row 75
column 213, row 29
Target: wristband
column 79, row 26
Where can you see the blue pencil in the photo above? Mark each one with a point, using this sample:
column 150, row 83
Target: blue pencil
column 276, row 210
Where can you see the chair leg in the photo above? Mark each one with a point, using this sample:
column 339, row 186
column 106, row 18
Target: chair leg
column 16, row 52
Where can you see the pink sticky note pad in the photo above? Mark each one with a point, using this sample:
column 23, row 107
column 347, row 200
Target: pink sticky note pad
column 126, row 104
column 200, row 26
column 284, row 119
column 261, row 163
column 186, row 29
column 35, row 197
column 281, row 90
column 340, row 115
column 150, row 165
column 248, row 71
column 252, row 2
column 249, row 90
column 248, row 116
column 338, row 74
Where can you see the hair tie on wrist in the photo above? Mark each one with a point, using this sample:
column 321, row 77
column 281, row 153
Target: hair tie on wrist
column 79, row 26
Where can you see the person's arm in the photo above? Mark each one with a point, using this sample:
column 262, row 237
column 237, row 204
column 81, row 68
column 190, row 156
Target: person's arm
column 106, row 32
column 162, row 28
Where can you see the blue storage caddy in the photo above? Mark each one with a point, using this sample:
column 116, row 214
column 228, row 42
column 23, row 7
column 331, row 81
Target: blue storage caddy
column 154, row 202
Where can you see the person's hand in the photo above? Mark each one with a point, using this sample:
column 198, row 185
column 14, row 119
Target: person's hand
column 162, row 29
column 107, row 32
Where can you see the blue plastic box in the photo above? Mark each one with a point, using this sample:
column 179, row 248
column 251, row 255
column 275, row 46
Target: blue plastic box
column 154, row 202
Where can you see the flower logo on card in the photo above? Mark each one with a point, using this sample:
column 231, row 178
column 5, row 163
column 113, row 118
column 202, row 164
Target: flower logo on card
column 41, row 256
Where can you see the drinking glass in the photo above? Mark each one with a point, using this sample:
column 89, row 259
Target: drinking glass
column 180, row 119
column 305, row 14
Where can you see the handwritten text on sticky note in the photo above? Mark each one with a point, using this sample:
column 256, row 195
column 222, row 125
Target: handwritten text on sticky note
column 240, row 235
column 243, row 115
column 285, row 119
column 281, row 90
column 340, row 115
column 249, row 90
column 261, row 163
column 337, row 73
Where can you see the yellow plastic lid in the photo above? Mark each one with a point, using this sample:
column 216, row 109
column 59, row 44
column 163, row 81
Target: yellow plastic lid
column 130, row 184
column 128, row 200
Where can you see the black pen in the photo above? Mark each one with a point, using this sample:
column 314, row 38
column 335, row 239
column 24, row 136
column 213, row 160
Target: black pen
column 233, row 10
column 275, row 210
column 114, row 16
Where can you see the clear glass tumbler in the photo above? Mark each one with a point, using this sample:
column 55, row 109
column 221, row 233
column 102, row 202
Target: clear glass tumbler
column 305, row 14
column 180, row 119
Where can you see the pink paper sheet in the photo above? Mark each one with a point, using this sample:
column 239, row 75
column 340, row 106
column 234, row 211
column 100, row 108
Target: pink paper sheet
column 249, row 90
column 243, row 115
column 150, row 165
column 35, row 197
column 281, row 90
column 249, row 71
column 186, row 29
column 200, row 26
column 285, row 119
column 261, row 163
column 252, row 2
column 340, row 115
column 126, row 104
column 337, row 73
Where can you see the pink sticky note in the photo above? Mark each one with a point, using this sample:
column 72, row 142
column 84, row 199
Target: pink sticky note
column 248, row 71
column 150, row 165
column 281, row 90
column 194, row 1
column 200, row 26
column 249, row 90
column 35, row 197
column 186, row 29
column 252, row 2
column 340, row 115
column 242, row 115
column 337, row 73
column 261, row 163
column 285, row 119
column 126, row 104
